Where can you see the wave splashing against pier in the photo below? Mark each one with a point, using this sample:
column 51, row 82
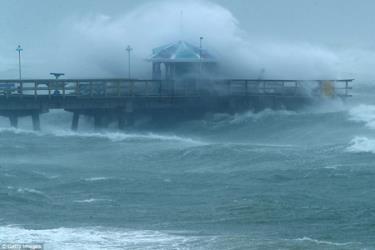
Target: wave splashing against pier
column 248, row 56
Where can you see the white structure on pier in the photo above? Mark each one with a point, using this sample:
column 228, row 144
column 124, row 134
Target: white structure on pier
column 181, row 60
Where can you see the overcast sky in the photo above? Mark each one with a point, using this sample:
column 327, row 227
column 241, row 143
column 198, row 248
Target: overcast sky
column 342, row 27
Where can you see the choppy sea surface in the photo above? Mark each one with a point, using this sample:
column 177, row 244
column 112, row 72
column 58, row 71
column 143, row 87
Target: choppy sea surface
column 300, row 179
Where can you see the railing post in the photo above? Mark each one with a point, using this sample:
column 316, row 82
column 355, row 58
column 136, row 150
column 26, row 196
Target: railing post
column 35, row 89
column 146, row 88
column 7, row 93
column 264, row 87
column 131, row 88
column 49, row 89
column 91, row 90
column 346, row 88
column 172, row 87
column 21, row 89
column 77, row 89
column 118, row 88
column 296, row 88
column 63, row 89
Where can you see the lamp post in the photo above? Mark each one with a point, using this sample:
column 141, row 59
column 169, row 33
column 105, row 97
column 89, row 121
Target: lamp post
column 19, row 49
column 200, row 56
column 129, row 50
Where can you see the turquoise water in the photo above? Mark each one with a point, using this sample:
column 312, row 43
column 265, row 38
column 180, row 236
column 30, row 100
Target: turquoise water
column 273, row 180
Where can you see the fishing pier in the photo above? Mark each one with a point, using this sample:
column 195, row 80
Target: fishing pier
column 122, row 100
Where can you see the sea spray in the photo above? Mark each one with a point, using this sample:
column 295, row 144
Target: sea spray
column 241, row 55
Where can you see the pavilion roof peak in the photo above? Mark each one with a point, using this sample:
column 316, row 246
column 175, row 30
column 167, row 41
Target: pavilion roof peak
column 180, row 51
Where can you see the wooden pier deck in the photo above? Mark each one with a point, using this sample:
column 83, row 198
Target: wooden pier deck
column 121, row 99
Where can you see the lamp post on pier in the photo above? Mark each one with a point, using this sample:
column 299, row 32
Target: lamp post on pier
column 19, row 50
column 129, row 50
column 200, row 56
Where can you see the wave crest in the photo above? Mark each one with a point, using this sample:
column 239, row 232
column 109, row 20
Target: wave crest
column 96, row 238
column 362, row 145
column 112, row 136
column 363, row 113
column 323, row 242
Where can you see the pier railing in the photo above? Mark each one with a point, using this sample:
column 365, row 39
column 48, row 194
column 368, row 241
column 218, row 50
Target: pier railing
column 117, row 88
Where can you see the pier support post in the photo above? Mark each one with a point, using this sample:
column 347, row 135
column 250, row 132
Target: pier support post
column 75, row 121
column 13, row 121
column 121, row 121
column 130, row 119
column 36, row 121
column 98, row 121
column 129, row 113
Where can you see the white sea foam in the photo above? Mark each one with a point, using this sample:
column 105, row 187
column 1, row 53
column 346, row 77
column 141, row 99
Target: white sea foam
column 112, row 136
column 96, row 238
column 326, row 106
column 25, row 190
column 250, row 115
column 92, row 200
column 362, row 145
column 18, row 131
column 363, row 113
column 29, row 190
column 118, row 136
column 100, row 178
column 324, row 242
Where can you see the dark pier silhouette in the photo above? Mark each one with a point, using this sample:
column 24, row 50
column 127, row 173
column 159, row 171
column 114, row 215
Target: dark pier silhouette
column 122, row 100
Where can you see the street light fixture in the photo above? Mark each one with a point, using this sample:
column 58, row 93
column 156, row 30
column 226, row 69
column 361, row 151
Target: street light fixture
column 129, row 49
column 19, row 49
column 200, row 56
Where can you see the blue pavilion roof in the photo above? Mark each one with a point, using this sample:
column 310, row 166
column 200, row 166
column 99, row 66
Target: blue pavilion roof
column 180, row 51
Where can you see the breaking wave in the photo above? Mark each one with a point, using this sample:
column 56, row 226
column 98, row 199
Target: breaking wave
column 112, row 136
column 362, row 145
column 92, row 200
column 323, row 242
column 96, row 238
column 363, row 113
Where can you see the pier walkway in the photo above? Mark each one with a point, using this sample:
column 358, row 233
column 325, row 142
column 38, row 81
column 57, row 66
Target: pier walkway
column 121, row 99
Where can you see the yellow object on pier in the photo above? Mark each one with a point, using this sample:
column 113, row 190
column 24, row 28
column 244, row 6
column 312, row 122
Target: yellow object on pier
column 328, row 88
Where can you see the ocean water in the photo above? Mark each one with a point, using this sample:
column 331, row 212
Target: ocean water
column 300, row 179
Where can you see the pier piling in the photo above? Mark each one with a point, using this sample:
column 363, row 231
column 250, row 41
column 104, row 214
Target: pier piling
column 13, row 121
column 98, row 121
column 121, row 119
column 36, row 121
column 75, row 121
